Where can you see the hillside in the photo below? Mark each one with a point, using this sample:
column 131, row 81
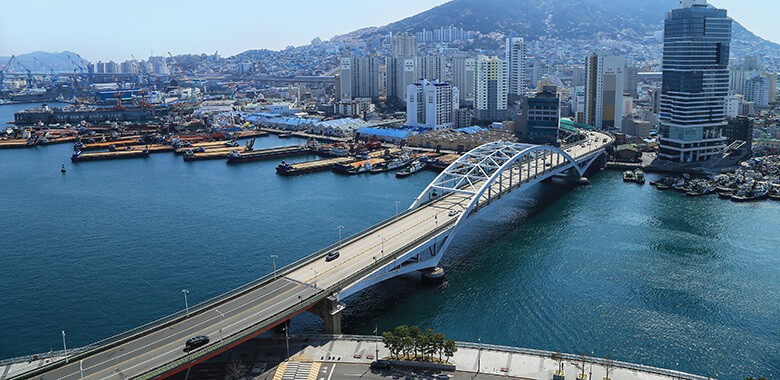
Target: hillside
column 533, row 19
column 60, row 62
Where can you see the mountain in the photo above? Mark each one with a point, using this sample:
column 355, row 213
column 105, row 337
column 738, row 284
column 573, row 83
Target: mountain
column 563, row 19
column 59, row 62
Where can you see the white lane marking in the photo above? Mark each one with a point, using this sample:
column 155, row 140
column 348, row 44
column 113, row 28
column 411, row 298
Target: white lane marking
column 331, row 371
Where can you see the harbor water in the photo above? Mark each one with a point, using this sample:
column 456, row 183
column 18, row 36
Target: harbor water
column 615, row 269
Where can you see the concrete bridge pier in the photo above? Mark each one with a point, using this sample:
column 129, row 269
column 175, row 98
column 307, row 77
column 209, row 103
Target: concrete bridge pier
column 329, row 310
column 432, row 275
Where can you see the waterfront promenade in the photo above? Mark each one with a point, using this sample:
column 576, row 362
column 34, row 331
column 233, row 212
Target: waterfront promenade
column 349, row 356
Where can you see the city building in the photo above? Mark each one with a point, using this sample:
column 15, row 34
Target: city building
column 431, row 104
column 464, row 78
column 432, row 67
column 604, row 86
column 359, row 78
column 631, row 82
column 518, row 67
column 733, row 105
column 739, row 129
column 541, row 117
column 492, row 89
column 757, row 91
column 402, row 66
column 404, row 45
column 635, row 126
column 697, row 40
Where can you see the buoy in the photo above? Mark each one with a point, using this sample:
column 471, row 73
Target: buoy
column 62, row 168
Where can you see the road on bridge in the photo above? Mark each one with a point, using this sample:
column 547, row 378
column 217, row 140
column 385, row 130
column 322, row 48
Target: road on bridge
column 295, row 290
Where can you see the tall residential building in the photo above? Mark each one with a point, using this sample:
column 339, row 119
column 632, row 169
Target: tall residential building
column 359, row 78
column 604, row 88
column 757, row 91
column 432, row 67
column 431, row 104
column 518, row 67
column 697, row 38
column 463, row 77
column 631, row 82
column 492, row 89
column 541, row 117
column 402, row 66
column 404, row 45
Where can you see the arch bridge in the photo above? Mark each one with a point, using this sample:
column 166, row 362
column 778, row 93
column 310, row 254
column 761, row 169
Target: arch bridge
column 413, row 240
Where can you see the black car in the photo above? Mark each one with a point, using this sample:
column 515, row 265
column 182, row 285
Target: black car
column 332, row 256
column 195, row 342
column 381, row 364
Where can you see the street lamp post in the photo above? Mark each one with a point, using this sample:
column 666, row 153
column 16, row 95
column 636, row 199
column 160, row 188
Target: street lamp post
column 315, row 277
column 479, row 354
column 341, row 229
column 186, row 305
column 397, row 203
column 64, row 346
column 383, row 245
column 221, row 317
column 376, row 340
column 273, row 260
column 287, row 339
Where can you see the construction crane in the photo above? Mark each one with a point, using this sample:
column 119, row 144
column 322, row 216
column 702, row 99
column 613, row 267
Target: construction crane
column 52, row 74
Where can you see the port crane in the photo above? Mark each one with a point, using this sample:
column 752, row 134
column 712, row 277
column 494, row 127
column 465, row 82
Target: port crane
column 52, row 74
column 2, row 72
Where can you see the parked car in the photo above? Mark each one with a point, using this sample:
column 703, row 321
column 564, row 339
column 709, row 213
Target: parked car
column 453, row 212
column 381, row 364
column 332, row 256
column 195, row 342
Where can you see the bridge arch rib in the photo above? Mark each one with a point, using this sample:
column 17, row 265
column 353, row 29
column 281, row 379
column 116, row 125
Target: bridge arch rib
column 477, row 178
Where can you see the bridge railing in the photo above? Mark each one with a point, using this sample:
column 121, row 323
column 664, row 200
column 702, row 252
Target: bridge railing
column 232, row 339
column 168, row 320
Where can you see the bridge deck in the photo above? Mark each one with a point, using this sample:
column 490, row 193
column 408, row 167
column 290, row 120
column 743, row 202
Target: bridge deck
column 295, row 290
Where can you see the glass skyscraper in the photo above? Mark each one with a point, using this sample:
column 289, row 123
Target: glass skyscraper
column 697, row 38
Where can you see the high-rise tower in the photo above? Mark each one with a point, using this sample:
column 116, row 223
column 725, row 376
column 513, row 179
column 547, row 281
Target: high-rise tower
column 697, row 39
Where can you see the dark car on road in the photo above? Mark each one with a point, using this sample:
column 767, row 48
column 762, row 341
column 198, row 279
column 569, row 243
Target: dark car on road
column 332, row 256
column 195, row 342
column 381, row 364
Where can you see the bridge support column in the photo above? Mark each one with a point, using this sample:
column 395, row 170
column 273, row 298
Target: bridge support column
column 432, row 275
column 329, row 310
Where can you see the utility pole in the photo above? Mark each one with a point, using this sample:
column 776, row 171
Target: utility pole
column 64, row 346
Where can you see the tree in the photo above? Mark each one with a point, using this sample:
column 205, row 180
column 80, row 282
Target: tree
column 449, row 349
column 236, row 369
column 392, row 342
column 417, row 343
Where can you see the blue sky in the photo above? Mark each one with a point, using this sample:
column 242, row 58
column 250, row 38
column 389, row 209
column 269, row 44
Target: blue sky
column 102, row 30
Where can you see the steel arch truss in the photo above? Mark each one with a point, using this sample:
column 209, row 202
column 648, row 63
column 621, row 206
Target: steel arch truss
column 475, row 172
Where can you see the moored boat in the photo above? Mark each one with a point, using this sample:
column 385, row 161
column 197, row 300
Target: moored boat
column 414, row 167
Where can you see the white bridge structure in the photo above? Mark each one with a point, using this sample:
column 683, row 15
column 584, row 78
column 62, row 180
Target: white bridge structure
column 413, row 240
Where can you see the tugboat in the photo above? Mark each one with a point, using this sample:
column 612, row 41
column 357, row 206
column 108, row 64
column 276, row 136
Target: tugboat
column 628, row 176
column 774, row 192
column 283, row 167
column 639, row 176
column 414, row 167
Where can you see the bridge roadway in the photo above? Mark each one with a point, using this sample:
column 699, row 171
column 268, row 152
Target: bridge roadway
column 159, row 350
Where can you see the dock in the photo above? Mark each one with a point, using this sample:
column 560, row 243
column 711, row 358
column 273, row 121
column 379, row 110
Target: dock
column 264, row 154
column 16, row 143
column 205, row 145
column 312, row 166
column 99, row 156
column 249, row 134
